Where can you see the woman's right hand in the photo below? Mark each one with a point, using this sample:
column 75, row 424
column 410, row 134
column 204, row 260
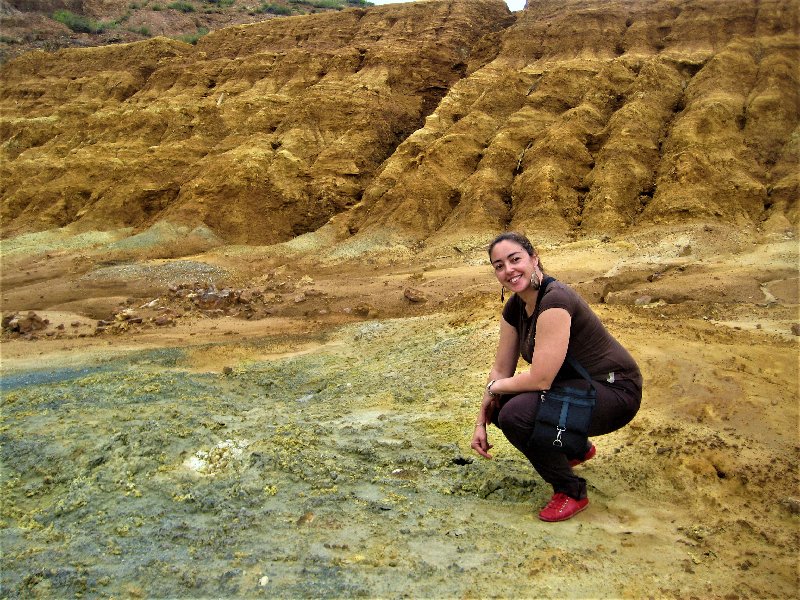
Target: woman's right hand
column 480, row 441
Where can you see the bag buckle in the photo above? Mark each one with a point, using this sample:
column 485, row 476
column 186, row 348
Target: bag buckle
column 557, row 442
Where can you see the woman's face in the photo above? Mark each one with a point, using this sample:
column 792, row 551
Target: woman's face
column 513, row 266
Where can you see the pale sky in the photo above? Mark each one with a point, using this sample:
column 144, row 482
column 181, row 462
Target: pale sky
column 514, row 5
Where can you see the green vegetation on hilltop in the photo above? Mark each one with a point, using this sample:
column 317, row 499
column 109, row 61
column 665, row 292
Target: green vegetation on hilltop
column 191, row 38
column 81, row 24
column 274, row 9
column 183, row 7
column 332, row 4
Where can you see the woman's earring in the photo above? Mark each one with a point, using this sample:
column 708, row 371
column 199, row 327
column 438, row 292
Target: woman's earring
column 502, row 293
column 535, row 283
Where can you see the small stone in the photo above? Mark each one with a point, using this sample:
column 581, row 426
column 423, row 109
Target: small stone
column 27, row 324
column 163, row 320
column 301, row 297
column 643, row 300
column 263, row 581
column 796, row 328
column 793, row 504
column 414, row 296
column 363, row 309
column 456, row 533
column 685, row 251
column 126, row 315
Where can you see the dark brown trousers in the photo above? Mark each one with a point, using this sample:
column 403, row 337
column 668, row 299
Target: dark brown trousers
column 617, row 403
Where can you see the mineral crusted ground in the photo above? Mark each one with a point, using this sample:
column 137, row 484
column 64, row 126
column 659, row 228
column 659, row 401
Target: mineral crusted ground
column 322, row 449
column 246, row 324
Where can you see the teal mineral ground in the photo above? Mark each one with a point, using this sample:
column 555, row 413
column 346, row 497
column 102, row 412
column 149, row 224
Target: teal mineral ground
column 344, row 470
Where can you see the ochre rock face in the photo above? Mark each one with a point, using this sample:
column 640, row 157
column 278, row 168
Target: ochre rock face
column 598, row 116
column 431, row 120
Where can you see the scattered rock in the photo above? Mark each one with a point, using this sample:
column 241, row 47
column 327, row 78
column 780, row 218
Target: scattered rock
column 414, row 296
column 793, row 504
column 164, row 320
column 364, row 310
column 796, row 328
column 643, row 300
column 126, row 315
column 211, row 298
column 29, row 323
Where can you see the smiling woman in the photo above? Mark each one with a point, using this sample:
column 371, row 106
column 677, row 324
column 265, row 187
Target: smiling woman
column 568, row 348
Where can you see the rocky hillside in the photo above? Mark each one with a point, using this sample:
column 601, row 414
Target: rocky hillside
column 53, row 24
column 422, row 122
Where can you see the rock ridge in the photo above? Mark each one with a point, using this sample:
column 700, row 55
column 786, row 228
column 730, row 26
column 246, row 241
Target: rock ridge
column 422, row 122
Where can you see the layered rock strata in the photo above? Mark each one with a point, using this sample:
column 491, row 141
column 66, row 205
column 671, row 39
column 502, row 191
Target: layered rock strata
column 424, row 121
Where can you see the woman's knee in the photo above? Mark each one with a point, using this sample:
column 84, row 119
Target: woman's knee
column 518, row 414
column 503, row 419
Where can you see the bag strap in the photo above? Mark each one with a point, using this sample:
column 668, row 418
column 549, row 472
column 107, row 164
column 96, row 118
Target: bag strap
column 542, row 287
column 573, row 362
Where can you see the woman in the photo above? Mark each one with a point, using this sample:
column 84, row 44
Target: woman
column 563, row 323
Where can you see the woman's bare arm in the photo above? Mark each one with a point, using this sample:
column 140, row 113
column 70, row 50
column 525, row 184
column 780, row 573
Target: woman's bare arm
column 552, row 340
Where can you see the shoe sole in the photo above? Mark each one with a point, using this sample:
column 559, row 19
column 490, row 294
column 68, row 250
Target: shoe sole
column 581, row 509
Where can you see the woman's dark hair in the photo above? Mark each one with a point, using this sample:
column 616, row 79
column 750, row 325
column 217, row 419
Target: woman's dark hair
column 518, row 238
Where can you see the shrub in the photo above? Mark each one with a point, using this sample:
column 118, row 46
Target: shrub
column 191, row 38
column 79, row 23
column 336, row 4
column 275, row 9
column 184, row 7
column 143, row 30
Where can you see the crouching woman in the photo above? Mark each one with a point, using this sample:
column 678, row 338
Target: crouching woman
column 544, row 329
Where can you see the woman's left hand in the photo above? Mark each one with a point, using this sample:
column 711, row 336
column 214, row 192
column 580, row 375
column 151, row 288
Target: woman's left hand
column 480, row 441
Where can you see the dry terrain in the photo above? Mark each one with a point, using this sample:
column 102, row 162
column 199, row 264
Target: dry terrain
column 248, row 315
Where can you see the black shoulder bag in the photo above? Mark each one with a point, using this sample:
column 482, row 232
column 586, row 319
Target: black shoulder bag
column 562, row 422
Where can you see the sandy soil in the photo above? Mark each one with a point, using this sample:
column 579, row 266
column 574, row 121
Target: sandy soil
column 321, row 446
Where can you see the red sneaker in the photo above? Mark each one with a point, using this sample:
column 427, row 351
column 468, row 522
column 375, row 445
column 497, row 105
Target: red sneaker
column 561, row 507
column 589, row 454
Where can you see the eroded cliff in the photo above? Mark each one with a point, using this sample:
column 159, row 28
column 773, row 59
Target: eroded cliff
column 260, row 132
column 421, row 121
